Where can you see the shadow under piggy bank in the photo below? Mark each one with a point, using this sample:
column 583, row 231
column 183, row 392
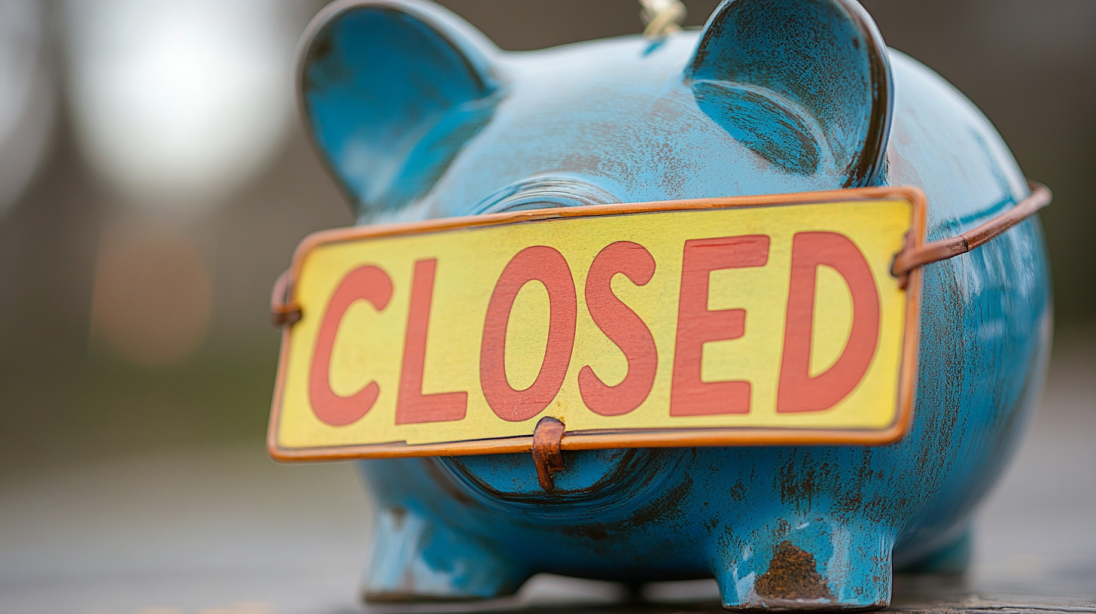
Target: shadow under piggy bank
column 419, row 116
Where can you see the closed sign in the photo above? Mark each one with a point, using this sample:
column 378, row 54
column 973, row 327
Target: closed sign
column 770, row 320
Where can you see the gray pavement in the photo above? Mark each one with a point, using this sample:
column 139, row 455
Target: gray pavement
column 223, row 530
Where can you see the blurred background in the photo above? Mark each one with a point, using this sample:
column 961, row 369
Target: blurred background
column 154, row 181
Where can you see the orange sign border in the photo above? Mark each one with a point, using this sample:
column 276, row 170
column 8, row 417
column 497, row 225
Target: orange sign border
column 631, row 438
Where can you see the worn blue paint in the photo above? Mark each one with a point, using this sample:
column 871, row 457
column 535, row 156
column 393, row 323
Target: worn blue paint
column 419, row 116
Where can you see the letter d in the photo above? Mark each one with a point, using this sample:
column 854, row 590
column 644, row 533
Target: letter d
column 797, row 390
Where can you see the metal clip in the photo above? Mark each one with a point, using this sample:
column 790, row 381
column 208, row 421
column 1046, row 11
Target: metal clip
column 283, row 310
column 546, row 450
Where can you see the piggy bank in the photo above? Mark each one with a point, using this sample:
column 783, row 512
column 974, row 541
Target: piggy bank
column 418, row 116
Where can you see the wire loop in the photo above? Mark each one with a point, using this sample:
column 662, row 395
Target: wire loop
column 912, row 257
column 283, row 310
column 662, row 17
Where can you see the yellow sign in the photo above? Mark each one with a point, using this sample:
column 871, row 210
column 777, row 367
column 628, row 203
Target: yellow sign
column 715, row 322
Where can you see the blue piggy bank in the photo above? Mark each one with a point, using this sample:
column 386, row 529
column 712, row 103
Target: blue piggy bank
column 419, row 116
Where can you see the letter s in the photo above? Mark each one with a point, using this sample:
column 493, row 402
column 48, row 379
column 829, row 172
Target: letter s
column 623, row 327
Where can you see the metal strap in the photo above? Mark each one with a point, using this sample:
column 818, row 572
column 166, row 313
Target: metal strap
column 912, row 257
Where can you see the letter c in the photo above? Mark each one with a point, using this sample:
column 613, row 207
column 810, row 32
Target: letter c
column 367, row 283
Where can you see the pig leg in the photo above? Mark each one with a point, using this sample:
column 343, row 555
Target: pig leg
column 417, row 558
column 805, row 563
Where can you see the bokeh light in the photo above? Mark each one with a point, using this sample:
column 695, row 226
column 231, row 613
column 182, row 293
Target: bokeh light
column 178, row 104
column 152, row 296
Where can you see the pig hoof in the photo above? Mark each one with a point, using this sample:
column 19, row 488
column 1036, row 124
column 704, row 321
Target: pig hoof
column 833, row 570
column 418, row 559
column 951, row 560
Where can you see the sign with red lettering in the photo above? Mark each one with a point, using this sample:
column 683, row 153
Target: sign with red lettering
column 757, row 320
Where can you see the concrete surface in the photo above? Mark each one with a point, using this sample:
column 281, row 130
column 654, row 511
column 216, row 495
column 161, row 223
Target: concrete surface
column 225, row 530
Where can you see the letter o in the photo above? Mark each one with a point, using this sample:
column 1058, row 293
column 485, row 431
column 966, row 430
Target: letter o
column 548, row 266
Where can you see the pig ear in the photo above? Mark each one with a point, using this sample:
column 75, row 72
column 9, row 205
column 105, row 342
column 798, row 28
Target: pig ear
column 794, row 80
column 391, row 91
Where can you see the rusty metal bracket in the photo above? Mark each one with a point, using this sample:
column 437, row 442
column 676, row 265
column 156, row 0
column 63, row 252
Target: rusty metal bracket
column 283, row 310
column 912, row 257
column 546, row 450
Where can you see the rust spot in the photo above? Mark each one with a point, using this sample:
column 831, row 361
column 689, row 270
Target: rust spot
column 797, row 481
column 596, row 532
column 712, row 524
column 738, row 492
column 792, row 575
